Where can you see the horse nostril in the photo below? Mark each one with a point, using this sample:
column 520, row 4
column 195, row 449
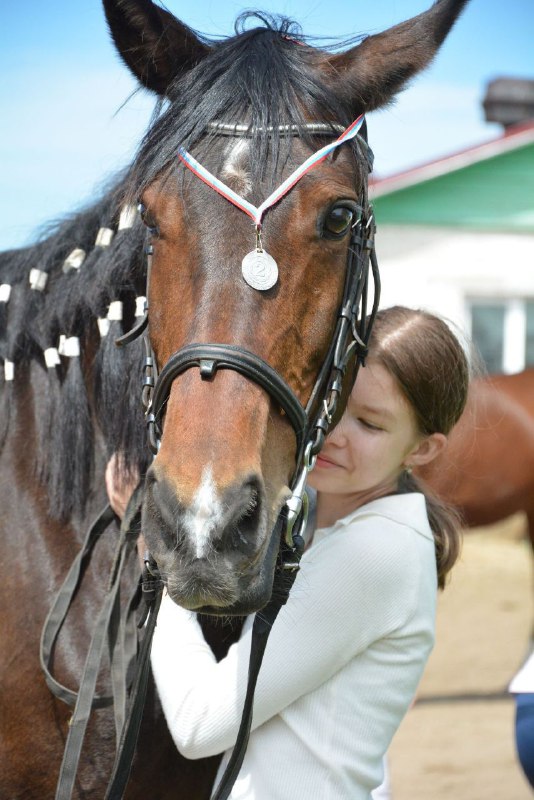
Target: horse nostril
column 246, row 525
column 244, row 520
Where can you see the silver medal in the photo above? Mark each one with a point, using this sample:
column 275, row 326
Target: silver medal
column 260, row 270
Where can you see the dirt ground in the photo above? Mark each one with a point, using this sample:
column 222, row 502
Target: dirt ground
column 454, row 745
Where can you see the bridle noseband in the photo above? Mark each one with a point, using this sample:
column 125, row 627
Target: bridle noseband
column 209, row 358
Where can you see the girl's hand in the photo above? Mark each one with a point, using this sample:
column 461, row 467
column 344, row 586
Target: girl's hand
column 120, row 484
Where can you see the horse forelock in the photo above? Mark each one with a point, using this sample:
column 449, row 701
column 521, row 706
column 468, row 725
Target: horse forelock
column 267, row 77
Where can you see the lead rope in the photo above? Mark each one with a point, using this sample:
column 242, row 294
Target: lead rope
column 109, row 621
column 59, row 609
column 85, row 699
column 285, row 574
column 153, row 587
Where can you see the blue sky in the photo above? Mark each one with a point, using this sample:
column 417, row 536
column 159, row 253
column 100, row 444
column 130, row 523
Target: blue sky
column 63, row 130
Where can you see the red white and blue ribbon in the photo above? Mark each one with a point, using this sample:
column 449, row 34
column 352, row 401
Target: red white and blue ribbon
column 256, row 212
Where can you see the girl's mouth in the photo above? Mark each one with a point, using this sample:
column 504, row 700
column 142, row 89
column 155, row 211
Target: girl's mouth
column 325, row 462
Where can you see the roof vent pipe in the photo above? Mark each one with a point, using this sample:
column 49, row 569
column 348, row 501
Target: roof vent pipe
column 509, row 101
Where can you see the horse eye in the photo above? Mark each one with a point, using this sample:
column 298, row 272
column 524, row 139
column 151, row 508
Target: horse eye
column 148, row 219
column 338, row 221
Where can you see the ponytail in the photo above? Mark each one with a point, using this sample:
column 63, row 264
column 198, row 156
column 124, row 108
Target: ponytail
column 445, row 524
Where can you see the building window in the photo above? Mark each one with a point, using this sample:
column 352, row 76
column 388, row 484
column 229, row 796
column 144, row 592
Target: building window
column 529, row 345
column 503, row 333
column 487, row 333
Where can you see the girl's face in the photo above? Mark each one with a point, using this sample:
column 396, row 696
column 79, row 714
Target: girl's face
column 375, row 440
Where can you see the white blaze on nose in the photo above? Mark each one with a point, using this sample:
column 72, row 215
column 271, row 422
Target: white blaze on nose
column 204, row 514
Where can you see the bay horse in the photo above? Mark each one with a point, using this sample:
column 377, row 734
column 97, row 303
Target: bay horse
column 487, row 470
column 226, row 450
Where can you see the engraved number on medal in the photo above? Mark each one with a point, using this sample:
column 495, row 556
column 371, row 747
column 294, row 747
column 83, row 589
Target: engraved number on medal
column 259, row 270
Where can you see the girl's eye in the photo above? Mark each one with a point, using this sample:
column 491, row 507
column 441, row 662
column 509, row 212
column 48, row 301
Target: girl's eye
column 148, row 219
column 337, row 222
column 369, row 425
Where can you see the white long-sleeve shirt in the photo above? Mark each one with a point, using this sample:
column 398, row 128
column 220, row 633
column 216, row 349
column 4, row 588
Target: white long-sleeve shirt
column 340, row 670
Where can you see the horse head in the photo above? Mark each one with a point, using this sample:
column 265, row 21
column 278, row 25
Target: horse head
column 228, row 448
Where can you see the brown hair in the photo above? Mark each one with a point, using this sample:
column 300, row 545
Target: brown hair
column 431, row 368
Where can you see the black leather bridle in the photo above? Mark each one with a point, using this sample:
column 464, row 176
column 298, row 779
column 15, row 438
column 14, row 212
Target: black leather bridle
column 347, row 349
column 311, row 424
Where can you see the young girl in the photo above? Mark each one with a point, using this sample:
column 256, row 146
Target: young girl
column 348, row 649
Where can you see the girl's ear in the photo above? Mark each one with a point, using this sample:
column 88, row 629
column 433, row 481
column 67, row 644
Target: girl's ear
column 426, row 451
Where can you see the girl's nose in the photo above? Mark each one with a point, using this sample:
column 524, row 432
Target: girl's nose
column 338, row 437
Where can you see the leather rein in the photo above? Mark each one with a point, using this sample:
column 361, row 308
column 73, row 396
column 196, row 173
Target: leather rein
column 130, row 665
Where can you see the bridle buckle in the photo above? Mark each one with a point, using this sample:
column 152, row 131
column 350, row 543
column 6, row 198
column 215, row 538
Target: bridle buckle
column 297, row 504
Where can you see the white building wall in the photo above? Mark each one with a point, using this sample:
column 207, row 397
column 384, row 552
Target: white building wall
column 443, row 269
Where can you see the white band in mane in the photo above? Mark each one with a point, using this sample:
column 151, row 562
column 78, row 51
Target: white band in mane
column 104, row 237
column 140, row 306
column 74, row 260
column 115, row 311
column 5, row 292
column 103, row 326
column 9, row 370
column 127, row 217
column 38, row 279
column 69, row 346
column 51, row 357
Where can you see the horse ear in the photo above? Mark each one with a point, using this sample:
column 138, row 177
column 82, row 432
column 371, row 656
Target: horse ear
column 374, row 71
column 155, row 45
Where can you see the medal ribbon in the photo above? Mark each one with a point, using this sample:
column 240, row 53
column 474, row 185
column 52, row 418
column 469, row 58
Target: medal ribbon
column 256, row 212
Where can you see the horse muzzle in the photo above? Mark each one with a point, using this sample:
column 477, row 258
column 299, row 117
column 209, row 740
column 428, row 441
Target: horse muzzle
column 217, row 553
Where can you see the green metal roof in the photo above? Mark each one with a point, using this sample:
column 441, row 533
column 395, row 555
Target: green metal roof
column 495, row 193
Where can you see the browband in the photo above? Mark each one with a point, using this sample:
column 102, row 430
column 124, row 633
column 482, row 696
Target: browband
column 315, row 128
column 242, row 129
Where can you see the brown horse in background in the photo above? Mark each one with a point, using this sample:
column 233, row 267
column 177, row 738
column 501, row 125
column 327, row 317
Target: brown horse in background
column 487, row 471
